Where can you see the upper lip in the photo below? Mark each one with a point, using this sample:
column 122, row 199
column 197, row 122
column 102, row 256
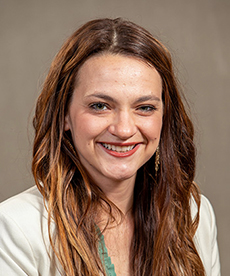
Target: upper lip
column 120, row 144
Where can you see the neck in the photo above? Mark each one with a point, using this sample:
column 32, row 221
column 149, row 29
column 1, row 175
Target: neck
column 120, row 193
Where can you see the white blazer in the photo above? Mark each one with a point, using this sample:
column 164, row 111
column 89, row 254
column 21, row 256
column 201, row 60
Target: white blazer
column 24, row 241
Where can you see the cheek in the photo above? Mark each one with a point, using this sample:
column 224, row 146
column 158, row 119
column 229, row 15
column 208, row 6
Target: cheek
column 152, row 128
column 88, row 127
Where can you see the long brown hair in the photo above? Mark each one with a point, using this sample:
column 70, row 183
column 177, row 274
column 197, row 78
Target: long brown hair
column 164, row 229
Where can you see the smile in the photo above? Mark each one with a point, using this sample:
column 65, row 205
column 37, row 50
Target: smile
column 118, row 148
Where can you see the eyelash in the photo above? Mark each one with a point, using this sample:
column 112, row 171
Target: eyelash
column 100, row 107
column 95, row 106
column 147, row 108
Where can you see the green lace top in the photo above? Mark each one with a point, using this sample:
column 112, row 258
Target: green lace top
column 109, row 267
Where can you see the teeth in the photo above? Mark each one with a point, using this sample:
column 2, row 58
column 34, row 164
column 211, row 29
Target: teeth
column 118, row 148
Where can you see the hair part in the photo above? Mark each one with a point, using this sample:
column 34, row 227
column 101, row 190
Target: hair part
column 164, row 229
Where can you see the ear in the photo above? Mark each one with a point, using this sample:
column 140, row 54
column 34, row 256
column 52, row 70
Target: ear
column 67, row 123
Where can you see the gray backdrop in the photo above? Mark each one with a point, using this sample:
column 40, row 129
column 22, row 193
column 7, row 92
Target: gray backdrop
column 197, row 33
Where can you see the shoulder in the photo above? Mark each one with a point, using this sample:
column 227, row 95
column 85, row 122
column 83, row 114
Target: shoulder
column 27, row 201
column 26, row 211
column 207, row 216
column 24, row 239
column 207, row 222
column 206, row 236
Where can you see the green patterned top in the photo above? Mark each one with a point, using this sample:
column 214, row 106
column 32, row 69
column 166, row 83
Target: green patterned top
column 109, row 267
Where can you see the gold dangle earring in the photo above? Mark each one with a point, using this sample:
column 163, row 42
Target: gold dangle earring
column 70, row 145
column 157, row 160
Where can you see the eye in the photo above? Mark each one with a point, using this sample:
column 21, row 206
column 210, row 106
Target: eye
column 98, row 106
column 146, row 108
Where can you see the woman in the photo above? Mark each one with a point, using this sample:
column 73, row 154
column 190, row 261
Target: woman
column 114, row 163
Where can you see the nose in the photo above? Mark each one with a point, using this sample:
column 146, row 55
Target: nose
column 123, row 125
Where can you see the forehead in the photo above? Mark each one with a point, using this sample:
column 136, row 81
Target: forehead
column 116, row 68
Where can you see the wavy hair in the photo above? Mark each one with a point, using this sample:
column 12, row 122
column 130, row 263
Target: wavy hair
column 163, row 227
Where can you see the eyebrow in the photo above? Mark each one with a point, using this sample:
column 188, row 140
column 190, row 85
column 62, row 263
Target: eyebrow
column 102, row 96
column 139, row 100
column 147, row 98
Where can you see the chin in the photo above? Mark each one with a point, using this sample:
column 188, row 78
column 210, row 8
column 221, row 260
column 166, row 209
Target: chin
column 122, row 177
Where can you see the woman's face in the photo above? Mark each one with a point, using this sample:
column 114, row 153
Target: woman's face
column 115, row 116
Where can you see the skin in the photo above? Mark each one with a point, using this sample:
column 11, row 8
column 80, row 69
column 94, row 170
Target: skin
column 117, row 102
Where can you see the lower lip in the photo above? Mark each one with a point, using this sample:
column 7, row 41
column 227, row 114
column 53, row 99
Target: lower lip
column 121, row 154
